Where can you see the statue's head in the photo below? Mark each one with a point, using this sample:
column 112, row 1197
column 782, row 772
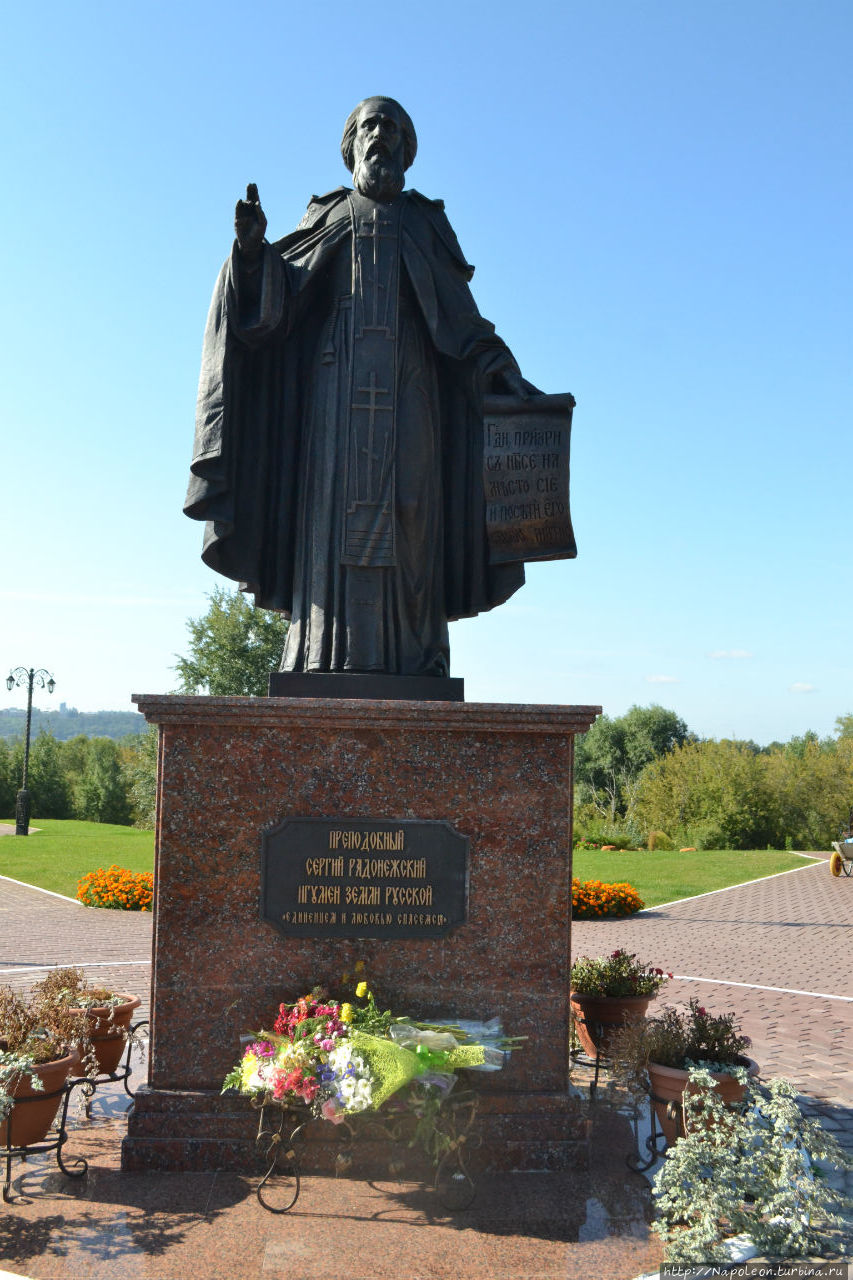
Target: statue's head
column 378, row 145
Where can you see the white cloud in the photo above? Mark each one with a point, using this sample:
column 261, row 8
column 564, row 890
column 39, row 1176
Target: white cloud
column 730, row 653
column 662, row 680
column 800, row 687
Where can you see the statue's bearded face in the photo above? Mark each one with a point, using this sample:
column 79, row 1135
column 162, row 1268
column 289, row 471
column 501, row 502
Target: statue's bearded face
column 378, row 151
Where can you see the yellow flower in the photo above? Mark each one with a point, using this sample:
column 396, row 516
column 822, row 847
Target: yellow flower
column 346, row 1013
column 359, row 966
column 248, row 1067
column 361, row 990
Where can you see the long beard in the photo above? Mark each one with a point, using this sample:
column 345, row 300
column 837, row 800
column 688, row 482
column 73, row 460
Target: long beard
column 378, row 178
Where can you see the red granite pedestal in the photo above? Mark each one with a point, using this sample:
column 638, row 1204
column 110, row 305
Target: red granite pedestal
column 231, row 767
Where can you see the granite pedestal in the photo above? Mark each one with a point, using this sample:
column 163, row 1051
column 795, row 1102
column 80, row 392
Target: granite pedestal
column 231, row 768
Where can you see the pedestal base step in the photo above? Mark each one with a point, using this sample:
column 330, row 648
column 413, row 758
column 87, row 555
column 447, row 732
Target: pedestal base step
column 200, row 1131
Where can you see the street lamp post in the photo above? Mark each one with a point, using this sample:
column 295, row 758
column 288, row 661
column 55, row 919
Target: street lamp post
column 43, row 679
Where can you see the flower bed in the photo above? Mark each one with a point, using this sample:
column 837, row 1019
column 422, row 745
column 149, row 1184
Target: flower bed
column 594, row 900
column 117, row 888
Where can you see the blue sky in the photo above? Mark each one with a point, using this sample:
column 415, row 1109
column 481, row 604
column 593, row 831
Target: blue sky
column 657, row 196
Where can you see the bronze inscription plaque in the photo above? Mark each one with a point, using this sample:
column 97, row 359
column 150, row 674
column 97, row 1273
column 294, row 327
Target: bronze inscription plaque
column 364, row 878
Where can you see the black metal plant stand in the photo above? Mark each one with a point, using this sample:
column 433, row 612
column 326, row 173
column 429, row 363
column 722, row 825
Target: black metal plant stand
column 583, row 1059
column 76, row 1169
column 278, row 1146
column 656, row 1144
column 88, row 1086
column 121, row 1075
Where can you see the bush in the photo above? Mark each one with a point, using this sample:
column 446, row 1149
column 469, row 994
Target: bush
column 117, row 888
column 660, row 840
column 752, row 1170
column 592, row 900
column 705, row 835
column 596, row 831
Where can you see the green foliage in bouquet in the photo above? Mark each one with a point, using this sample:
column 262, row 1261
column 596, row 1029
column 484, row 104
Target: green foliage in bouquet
column 341, row 1058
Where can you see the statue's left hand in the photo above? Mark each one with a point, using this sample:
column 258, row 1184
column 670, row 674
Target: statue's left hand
column 515, row 385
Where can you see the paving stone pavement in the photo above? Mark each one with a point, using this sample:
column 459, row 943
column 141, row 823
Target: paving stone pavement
column 777, row 952
column 787, row 939
column 40, row 930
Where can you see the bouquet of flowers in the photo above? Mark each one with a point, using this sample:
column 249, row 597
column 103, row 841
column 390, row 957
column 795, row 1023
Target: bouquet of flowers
column 340, row 1058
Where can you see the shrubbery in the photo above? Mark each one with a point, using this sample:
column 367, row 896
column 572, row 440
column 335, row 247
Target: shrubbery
column 117, row 888
column 643, row 775
column 593, row 900
column 660, row 840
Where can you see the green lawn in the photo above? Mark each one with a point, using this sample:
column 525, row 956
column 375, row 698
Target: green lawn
column 665, row 877
column 58, row 854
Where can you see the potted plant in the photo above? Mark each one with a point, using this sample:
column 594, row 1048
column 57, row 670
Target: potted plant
column 101, row 1017
column 608, row 991
column 752, row 1178
column 661, row 1051
column 36, row 1057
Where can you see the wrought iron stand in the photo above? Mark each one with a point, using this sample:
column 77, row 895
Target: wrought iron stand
column 121, row 1075
column 656, row 1143
column 583, row 1059
column 78, row 1167
column 277, row 1145
column 87, row 1086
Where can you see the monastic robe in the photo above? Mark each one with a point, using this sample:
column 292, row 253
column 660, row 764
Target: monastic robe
column 356, row 512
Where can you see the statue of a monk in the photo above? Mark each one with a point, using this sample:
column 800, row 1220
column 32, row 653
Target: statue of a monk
column 339, row 434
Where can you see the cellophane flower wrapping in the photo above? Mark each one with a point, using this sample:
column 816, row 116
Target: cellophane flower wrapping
column 343, row 1058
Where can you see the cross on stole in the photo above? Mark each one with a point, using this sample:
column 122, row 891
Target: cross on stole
column 370, row 229
column 373, row 223
column 372, row 408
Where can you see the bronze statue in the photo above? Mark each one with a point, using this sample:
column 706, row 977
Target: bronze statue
column 339, row 438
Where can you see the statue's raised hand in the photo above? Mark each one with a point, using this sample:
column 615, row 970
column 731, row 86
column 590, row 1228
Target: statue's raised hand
column 250, row 223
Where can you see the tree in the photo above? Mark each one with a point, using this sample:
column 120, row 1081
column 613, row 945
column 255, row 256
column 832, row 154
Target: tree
column 139, row 765
column 101, row 793
column 716, row 795
column 233, row 647
column 51, row 794
column 813, row 785
column 844, row 726
column 8, row 784
column 610, row 757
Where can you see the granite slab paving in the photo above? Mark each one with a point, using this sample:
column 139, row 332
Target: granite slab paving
column 593, row 1221
column 790, row 933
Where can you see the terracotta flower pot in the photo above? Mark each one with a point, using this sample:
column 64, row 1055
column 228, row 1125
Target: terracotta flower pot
column 598, row 1018
column 669, row 1085
column 108, row 1029
column 30, row 1122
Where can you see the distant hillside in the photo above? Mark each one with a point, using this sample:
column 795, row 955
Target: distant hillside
column 67, row 722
